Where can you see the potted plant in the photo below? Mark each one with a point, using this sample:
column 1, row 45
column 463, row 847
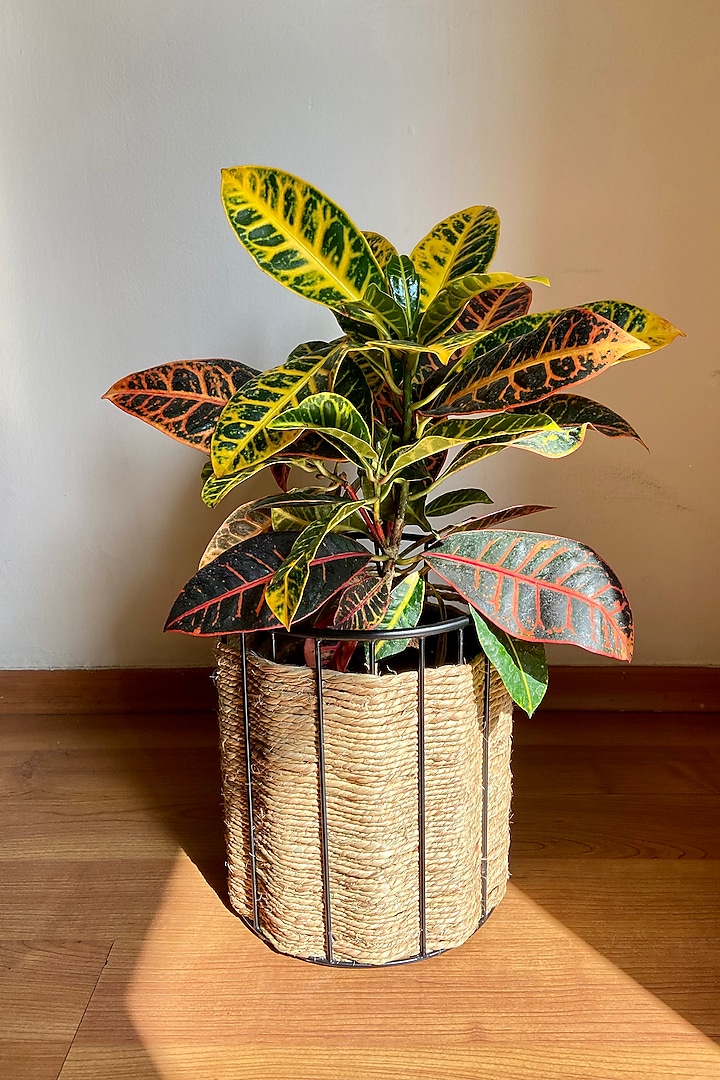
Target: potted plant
column 366, row 763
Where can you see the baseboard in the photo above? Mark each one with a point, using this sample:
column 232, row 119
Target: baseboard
column 107, row 690
column 173, row 690
column 633, row 689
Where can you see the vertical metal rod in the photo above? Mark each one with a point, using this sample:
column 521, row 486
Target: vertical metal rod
column 323, row 803
column 485, row 787
column 273, row 646
column 248, row 780
column 421, row 798
column 373, row 662
column 461, row 646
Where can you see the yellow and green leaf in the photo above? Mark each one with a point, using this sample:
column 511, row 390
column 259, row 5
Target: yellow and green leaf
column 651, row 329
column 461, row 244
column 298, row 236
column 553, row 444
column 381, row 248
column 337, row 420
column 403, row 613
column 284, row 592
column 243, row 436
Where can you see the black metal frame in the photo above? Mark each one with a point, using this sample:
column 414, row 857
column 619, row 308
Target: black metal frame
column 456, row 625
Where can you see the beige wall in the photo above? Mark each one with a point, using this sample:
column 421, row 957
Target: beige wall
column 591, row 125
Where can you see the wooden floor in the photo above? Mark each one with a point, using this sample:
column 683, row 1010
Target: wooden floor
column 119, row 958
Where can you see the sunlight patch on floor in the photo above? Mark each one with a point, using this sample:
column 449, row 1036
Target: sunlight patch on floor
column 525, row 995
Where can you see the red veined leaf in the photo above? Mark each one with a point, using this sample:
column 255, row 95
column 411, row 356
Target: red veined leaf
column 184, row 398
column 539, row 588
column 227, row 596
column 486, row 311
column 493, row 307
column 566, row 349
column 281, row 475
column 489, row 521
column 362, row 605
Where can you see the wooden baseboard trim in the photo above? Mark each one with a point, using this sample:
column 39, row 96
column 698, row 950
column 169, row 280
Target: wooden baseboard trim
column 633, row 689
column 107, row 690
column 174, row 690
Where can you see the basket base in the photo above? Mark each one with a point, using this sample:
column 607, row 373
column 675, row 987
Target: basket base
column 323, row 962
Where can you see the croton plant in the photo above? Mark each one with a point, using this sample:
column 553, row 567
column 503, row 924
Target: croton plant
column 439, row 365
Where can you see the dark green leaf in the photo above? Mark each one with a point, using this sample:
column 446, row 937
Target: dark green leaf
column 520, row 664
column 451, row 501
column 404, row 285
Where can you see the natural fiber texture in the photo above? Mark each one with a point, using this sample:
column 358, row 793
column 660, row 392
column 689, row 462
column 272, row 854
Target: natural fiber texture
column 371, row 754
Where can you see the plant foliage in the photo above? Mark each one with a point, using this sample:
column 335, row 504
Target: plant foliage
column 439, row 366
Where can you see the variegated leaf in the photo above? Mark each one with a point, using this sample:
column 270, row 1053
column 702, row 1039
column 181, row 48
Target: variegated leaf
column 570, row 410
column 461, row 244
column 285, row 591
column 570, row 348
column 243, row 436
column 452, row 501
column 651, row 329
column 486, row 311
column 538, row 588
column 403, row 613
column 215, row 489
column 553, row 444
column 183, row 399
column 295, row 516
column 339, row 422
column 493, row 426
column 247, row 521
column 226, row 596
column 450, row 302
column 521, row 665
column 298, row 236
column 363, row 603
column 381, row 248
column 493, row 307
column 255, row 517
column 490, row 521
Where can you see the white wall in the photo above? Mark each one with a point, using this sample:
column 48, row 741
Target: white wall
column 592, row 126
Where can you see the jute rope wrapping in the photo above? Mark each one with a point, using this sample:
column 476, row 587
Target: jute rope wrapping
column 371, row 754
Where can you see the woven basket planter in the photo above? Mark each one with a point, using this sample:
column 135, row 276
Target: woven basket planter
column 329, row 871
